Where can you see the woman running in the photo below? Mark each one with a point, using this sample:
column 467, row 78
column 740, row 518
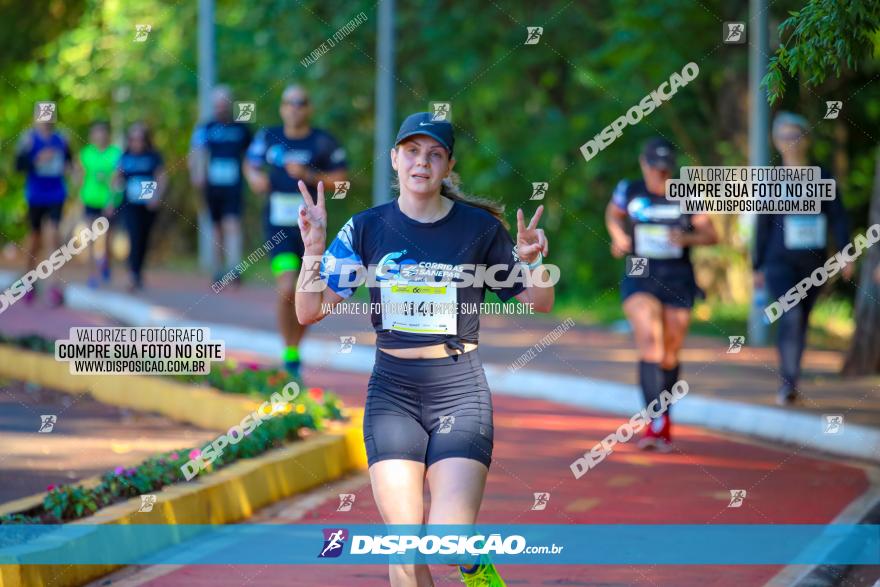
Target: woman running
column 141, row 175
column 659, row 291
column 789, row 248
column 97, row 162
column 44, row 155
column 428, row 407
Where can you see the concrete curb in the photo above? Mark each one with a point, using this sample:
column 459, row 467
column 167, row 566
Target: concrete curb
column 202, row 406
column 864, row 510
column 226, row 496
column 780, row 425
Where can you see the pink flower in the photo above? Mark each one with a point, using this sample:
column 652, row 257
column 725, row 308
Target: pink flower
column 194, row 453
column 51, row 487
column 174, row 456
column 119, row 470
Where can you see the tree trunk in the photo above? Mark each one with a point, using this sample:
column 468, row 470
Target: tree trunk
column 864, row 352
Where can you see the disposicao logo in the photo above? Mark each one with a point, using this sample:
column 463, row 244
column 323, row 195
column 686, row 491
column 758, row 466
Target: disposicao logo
column 334, row 542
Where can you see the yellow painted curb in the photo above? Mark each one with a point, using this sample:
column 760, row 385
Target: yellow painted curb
column 202, row 406
column 226, row 496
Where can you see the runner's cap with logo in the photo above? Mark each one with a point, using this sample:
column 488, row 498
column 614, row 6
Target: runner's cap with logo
column 421, row 123
column 659, row 153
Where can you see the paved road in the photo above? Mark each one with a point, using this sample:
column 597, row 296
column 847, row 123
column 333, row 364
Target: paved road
column 535, row 442
column 88, row 439
column 748, row 376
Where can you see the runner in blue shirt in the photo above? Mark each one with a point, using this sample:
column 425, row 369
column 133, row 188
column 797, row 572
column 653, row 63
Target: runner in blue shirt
column 44, row 154
column 428, row 409
column 278, row 158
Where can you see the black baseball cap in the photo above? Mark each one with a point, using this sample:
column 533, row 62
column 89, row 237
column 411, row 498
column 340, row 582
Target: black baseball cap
column 422, row 123
column 659, row 153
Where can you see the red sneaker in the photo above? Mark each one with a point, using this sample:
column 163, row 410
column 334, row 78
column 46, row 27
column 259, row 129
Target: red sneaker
column 657, row 435
column 649, row 438
column 664, row 440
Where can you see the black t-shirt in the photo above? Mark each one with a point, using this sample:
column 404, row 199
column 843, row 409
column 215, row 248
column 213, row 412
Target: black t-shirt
column 650, row 219
column 226, row 144
column 139, row 174
column 271, row 149
column 800, row 240
column 416, row 265
column 318, row 151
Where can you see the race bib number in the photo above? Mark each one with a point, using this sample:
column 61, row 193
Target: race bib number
column 420, row 308
column 653, row 241
column 284, row 209
column 805, row 232
column 139, row 189
column 53, row 167
column 223, row 171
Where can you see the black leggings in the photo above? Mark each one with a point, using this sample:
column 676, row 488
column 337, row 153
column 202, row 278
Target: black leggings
column 791, row 336
column 139, row 222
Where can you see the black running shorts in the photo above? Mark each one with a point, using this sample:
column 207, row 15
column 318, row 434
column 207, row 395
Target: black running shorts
column 673, row 285
column 428, row 409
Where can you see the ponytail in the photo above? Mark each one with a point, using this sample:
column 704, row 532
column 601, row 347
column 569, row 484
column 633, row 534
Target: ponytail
column 451, row 189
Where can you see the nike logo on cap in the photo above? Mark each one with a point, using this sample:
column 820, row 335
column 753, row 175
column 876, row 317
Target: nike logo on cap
column 426, row 124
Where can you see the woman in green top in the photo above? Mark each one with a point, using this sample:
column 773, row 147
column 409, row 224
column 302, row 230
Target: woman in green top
column 98, row 161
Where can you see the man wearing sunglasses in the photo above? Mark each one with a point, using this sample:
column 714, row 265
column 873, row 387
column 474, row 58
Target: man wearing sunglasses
column 277, row 159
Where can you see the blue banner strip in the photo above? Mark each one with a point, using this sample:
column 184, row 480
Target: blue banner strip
column 297, row 544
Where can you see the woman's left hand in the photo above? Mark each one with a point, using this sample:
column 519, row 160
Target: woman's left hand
column 530, row 240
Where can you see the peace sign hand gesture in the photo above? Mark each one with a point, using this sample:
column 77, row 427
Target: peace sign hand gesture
column 313, row 220
column 530, row 240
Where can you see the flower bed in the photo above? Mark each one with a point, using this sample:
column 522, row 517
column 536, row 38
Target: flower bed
column 308, row 412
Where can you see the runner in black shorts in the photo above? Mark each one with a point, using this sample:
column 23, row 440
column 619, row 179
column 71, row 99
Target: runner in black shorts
column 44, row 154
column 278, row 158
column 658, row 288
column 789, row 248
column 428, row 405
column 97, row 163
column 216, row 152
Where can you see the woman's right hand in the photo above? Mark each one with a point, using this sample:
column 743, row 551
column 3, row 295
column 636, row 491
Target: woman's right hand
column 313, row 220
column 621, row 246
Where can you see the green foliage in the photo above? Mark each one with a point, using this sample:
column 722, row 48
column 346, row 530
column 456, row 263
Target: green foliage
column 310, row 410
column 522, row 111
column 234, row 377
column 67, row 502
column 64, row 503
column 31, row 342
column 823, row 38
column 34, row 25
column 18, row 519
